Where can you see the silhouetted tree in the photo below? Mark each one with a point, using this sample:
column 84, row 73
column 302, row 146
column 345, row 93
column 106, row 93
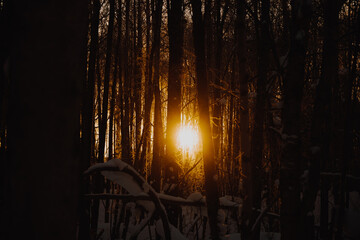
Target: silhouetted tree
column 211, row 177
column 47, row 58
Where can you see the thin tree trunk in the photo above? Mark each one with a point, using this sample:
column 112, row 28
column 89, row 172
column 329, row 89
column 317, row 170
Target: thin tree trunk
column 87, row 121
column 99, row 183
column 138, row 78
column 88, row 134
column 111, row 142
column 125, row 124
column 217, row 112
column 148, row 91
column 96, row 181
column 104, row 118
column 209, row 41
column 242, row 150
column 158, row 128
column 231, row 165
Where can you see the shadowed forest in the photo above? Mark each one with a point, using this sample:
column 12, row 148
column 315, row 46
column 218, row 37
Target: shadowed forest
column 180, row 119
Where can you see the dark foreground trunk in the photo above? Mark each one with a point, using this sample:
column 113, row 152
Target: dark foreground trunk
column 46, row 74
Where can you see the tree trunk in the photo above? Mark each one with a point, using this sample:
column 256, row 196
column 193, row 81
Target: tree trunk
column 138, row 78
column 257, row 139
column 99, row 182
column 349, row 124
column 103, row 121
column 125, row 124
column 158, row 128
column 242, row 150
column 322, row 120
column 44, row 114
column 216, row 116
column 212, row 197
column 290, row 213
column 148, row 91
column 176, row 52
column 87, row 119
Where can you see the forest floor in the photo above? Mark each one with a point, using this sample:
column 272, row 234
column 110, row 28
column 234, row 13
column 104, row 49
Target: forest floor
column 351, row 223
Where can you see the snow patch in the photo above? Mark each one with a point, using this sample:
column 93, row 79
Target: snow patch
column 195, row 197
column 226, row 202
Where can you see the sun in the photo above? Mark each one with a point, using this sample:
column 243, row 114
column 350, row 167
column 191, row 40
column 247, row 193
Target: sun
column 188, row 138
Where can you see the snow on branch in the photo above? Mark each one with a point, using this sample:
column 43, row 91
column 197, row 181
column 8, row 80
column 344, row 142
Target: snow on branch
column 126, row 176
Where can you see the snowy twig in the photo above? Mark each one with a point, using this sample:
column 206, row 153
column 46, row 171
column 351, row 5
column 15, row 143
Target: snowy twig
column 116, row 165
column 166, row 199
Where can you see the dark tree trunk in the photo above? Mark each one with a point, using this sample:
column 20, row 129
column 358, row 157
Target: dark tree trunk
column 104, row 117
column 241, row 133
column 257, row 139
column 176, row 52
column 125, row 124
column 148, row 91
column 349, row 124
column 209, row 39
column 46, row 73
column 111, row 137
column 138, row 78
column 322, row 120
column 217, row 112
column 158, row 145
column 216, row 115
column 212, row 197
column 291, row 160
column 230, row 164
column 87, row 119
column 285, row 22
column 99, row 182
column 4, row 92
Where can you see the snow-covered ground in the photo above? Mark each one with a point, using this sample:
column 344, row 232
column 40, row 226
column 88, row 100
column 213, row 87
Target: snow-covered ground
column 193, row 216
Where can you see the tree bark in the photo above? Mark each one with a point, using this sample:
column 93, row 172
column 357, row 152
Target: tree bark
column 322, row 119
column 158, row 145
column 290, row 213
column 105, row 102
column 212, row 197
column 87, row 119
column 242, row 148
column 217, row 111
column 257, row 140
column 176, row 52
column 149, row 93
column 48, row 43
column 138, row 78
column 99, row 182
column 125, row 124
